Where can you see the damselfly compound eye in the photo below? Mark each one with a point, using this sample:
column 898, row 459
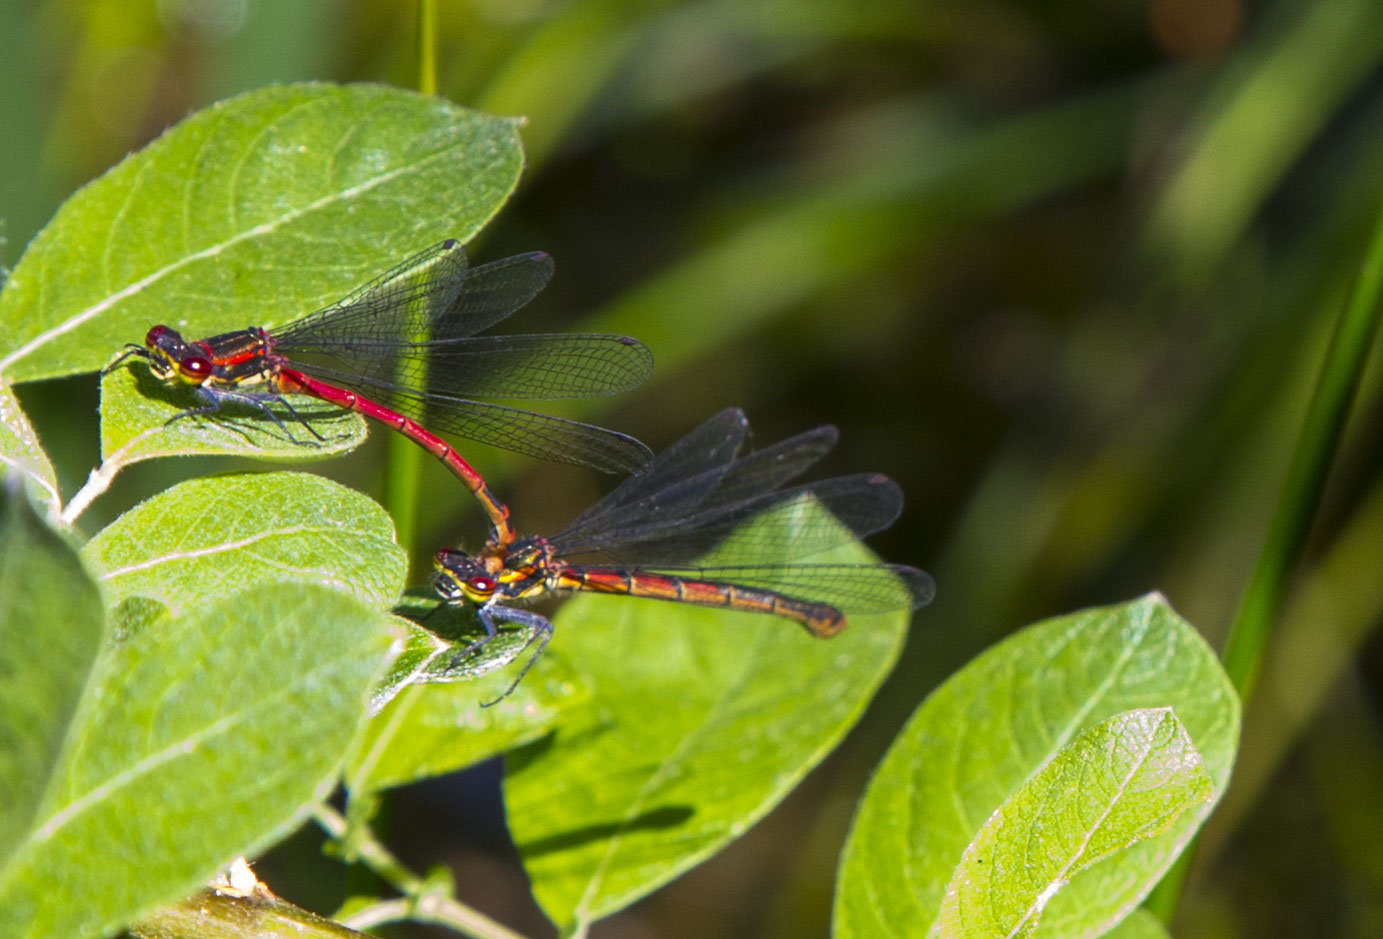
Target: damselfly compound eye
column 195, row 367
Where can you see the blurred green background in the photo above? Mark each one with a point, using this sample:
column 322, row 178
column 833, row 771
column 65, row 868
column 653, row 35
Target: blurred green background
column 1064, row 269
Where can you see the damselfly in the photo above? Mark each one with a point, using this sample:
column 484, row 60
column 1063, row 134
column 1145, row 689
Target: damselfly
column 402, row 350
column 700, row 495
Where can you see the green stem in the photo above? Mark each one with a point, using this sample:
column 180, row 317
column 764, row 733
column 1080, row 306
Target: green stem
column 403, row 469
column 427, row 46
column 368, row 851
column 1336, row 387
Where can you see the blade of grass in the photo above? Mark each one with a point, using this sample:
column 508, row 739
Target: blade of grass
column 1339, row 380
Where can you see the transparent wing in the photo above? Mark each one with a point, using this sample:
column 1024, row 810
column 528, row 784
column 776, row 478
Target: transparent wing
column 784, row 523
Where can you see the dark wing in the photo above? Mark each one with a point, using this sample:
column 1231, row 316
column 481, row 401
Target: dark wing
column 678, row 476
column 778, row 525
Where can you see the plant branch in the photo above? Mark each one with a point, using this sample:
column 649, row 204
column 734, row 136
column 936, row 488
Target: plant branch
column 214, row 914
column 362, row 845
column 432, row 908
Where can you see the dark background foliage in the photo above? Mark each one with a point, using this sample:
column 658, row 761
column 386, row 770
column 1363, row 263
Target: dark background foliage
column 1062, row 269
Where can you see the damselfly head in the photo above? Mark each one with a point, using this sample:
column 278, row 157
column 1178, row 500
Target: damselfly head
column 461, row 576
column 170, row 357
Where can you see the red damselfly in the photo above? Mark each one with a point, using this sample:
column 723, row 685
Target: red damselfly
column 696, row 496
column 402, row 349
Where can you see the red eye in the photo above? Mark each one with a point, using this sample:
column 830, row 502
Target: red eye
column 195, row 366
column 482, row 584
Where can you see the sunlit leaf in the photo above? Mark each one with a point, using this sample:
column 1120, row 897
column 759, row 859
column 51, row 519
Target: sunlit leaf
column 197, row 739
column 1140, row 924
column 251, row 212
column 978, row 738
column 435, row 728
column 206, row 538
column 700, row 721
column 428, row 716
column 441, row 645
column 1120, row 782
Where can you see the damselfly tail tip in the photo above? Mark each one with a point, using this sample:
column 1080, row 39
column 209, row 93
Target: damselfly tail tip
column 449, row 243
column 831, row 622
column 919, row 583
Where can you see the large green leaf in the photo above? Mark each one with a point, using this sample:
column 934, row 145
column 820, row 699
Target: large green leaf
column 700, row 721
column 1140, row 924
column 205, row 538
column 979, row 737
column 1120, row 782
column 51, row 626
column 251, row 212
column 198, row 738
column 428, row 714
column 136, row 411
column 21, row 451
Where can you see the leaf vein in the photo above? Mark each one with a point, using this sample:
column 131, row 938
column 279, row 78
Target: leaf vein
column 96, row 309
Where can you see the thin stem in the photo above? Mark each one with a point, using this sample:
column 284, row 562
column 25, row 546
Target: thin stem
column 1297, row 503
column 377, row 914
column 419, row 903
column 427, row 46
column 371, row 852
column 431, row 908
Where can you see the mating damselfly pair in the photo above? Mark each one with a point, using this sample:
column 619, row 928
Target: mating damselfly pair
column 404, row 350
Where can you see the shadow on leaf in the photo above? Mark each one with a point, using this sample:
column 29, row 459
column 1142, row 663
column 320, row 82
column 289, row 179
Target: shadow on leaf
column 669, row 816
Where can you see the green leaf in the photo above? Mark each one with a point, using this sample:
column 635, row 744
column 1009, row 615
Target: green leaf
column 206, row 538
column 251, row 212
column 417, row 651
column 434, row 721
column 1140, row 924
column 979, row 737
column 1119, row 783
column 435, row 728
column 443, row 651
column 701, row 720
column 20, row 450
column 51, row 628
column 197, row 739
column 136, row 409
